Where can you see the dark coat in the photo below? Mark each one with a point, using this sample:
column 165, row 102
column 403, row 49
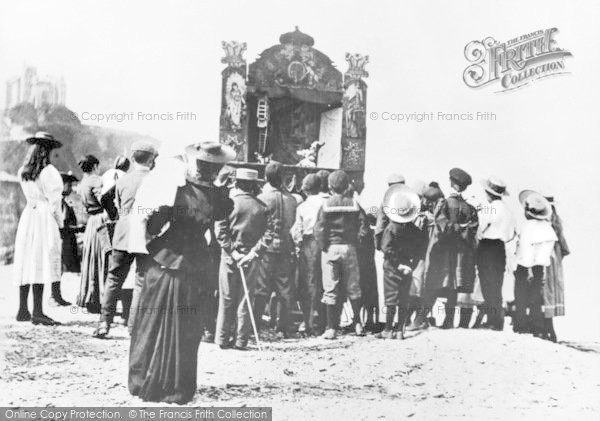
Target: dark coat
column 247, row 228
column 71, row 260
column 403, row 244
column 183, row 245
column 340, row 221
column 452, row 246
column 282, row 208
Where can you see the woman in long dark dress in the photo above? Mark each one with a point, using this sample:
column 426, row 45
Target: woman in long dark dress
column 70, row 253
column 168, row 326
column 93, row 265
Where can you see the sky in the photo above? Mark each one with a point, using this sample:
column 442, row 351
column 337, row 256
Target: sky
column 164, row 57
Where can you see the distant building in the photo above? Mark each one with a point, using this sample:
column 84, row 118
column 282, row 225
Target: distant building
column 36, row 90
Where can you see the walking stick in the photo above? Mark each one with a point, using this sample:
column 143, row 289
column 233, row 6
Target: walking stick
column 247, row 295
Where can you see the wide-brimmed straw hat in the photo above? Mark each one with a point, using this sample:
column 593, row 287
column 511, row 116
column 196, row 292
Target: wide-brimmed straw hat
column 247, row 174
column 494, row 186
column 225, row 176
column 536, row 205
column 214, row 152
column 401, row 204
column 44, row 138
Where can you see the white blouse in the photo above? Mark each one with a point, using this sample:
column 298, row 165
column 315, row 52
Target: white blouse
column 536, row 242
column 45, row 191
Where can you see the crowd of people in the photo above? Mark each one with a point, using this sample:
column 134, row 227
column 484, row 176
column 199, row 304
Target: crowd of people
column 197, row 249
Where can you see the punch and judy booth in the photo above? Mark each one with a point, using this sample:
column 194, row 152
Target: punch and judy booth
column 294, row 106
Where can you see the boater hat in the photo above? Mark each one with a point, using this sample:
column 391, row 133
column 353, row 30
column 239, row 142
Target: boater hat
column 247, row 174
column 401, row 203
column 214, row 152
column 44, row 138
column 536, row 205
column 494, row 186
column 395, row 179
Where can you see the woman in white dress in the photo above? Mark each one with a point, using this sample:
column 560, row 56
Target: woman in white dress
column 38, row 244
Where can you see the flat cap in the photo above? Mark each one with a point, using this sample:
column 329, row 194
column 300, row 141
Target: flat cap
column 460, row 177
column 144, row 146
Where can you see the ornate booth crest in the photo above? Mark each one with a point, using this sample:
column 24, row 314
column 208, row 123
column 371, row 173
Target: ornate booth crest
column 234, row 52
column 356, row 65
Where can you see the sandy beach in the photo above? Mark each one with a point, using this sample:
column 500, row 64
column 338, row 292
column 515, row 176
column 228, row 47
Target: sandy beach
column 432, row 374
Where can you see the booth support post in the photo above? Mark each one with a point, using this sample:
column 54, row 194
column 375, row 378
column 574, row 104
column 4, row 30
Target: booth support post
column 354, row 122
column 233, row 123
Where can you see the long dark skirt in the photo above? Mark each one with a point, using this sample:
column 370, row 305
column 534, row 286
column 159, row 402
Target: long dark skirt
column 93, row 265
column 70, row 253
column 163, row 356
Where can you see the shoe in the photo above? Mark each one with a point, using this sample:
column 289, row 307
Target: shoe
column 101, row 331
column 306, row 333
column 58, row 302
column 241, row 346
column 492, row 327
column 23, row 316
column 431, row 321
column 315, row 331
column 358, row 329
column 402, row 332
column 228, row 345
column 413, row 326
column 448, row 319
column 302, row 328
column 551, row 336
column 208, row 337
column 386, row 334
column 448, row 324
column 499, row 326
column 329, row 334
column 280, row 335
column 43, row 320
column 520, row 330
